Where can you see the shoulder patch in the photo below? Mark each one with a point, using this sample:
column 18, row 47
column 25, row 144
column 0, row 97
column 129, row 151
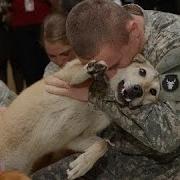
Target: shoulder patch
column 170, row 82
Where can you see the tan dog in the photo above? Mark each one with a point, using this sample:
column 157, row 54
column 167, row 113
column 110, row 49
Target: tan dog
column 138, row 84
column 37, row 123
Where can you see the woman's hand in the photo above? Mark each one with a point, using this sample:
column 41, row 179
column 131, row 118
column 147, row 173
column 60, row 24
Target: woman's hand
column 56, row 86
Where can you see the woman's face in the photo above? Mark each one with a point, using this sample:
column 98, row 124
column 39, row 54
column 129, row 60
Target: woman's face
column 59, row 53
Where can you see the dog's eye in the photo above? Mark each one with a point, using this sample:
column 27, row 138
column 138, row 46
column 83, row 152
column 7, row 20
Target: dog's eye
column 142, row 72
column 153, row 92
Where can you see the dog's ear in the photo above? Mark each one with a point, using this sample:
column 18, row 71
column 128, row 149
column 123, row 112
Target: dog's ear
column 139, row 58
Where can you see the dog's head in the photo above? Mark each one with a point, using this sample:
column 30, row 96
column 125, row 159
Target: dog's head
column 137, row 84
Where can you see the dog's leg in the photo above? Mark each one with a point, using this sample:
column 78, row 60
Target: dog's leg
column 77, row 73
column 93, row 148
column 74, row 75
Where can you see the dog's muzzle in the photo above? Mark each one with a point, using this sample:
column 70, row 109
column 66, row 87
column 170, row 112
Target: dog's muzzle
column 126, row 95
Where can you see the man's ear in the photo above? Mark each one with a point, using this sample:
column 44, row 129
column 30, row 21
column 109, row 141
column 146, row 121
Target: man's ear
column 132, row 28
column 139, row 58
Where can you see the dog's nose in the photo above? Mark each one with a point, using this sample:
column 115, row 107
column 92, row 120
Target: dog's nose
column 137, row 90
column 133, row 92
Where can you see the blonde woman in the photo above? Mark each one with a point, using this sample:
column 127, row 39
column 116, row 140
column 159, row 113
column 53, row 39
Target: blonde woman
column 55, row 43
column 57, row 47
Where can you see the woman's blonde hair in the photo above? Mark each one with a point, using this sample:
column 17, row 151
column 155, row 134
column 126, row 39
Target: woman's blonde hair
column 53, row 28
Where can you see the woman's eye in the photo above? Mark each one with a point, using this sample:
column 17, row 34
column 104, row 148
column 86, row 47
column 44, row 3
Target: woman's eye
column 142, row 72
column 153, row 92
column 65, row 53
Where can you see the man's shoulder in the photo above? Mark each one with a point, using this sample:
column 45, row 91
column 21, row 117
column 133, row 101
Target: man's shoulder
column 162, row 20
column 162, row 33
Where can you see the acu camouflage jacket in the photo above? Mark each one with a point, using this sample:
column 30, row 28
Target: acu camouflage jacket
column 153, row 129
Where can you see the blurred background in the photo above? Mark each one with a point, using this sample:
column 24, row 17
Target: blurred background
column 172, row 6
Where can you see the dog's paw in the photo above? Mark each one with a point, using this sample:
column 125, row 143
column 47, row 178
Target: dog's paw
column 96, row 67
column 80, row 166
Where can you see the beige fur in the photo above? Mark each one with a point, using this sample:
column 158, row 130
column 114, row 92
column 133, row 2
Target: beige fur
column 37, row 123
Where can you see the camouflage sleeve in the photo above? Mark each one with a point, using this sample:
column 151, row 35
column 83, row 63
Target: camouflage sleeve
column 6, row 95
column 155, row 125
column 54, row 171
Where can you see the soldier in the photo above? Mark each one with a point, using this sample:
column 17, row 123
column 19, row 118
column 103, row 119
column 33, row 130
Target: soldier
column 147, row 140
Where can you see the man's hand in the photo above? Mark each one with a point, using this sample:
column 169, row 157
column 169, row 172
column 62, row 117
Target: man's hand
column 56, row 86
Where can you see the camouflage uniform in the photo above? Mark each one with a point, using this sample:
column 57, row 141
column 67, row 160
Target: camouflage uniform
column 147, row 140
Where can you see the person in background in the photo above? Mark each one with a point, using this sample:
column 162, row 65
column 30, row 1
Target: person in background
column 147, row 139
column 55, row 43
column 56, row 46
column 26, row 18
column 53, row 40
column 5, row 42
column 6, row 48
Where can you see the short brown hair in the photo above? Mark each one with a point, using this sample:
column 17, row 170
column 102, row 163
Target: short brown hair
column 94, row 23
column 53, row 29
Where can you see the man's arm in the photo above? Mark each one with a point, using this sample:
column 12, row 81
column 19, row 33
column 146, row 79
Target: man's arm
column 155, row 125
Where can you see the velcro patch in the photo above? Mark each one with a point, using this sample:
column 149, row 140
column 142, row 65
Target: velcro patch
column 170, row 82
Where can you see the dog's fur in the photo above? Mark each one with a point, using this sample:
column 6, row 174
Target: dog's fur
column 37, row 122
